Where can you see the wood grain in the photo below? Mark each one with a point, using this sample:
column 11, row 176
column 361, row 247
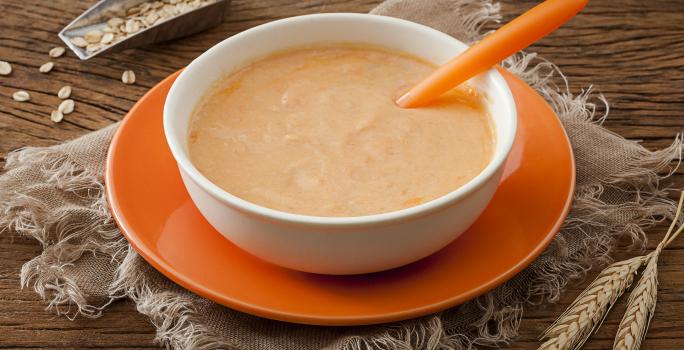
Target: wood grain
column 632, row 51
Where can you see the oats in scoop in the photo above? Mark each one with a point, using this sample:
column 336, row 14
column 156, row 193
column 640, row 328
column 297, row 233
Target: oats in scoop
column 144, row 7
column 107, row 39
column 93, row 36
column 132, row 26
column 115, row 22
column 79, row 42
column 151, row 18
column 93, row 47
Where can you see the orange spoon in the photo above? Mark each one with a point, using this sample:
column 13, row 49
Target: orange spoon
column 507, row 40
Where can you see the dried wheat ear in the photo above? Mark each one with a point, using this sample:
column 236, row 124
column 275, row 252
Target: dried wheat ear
column 585, row 315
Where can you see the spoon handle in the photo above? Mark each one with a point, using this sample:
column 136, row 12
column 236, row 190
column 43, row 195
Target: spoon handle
column 494, row 48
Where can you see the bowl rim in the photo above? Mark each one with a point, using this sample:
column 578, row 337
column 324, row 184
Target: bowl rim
column 186, row 166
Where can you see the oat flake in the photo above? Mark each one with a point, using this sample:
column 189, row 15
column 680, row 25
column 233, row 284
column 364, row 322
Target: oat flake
column 93, row 36
column 56, row 116
column 128, row 77
column 46, row 68
column 56, row 52
column 79, row 42
column 5, row 68
column 64, row 92
column 66, row 107
column 21, row 96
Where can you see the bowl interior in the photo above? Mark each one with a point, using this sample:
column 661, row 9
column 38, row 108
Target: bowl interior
column 258, row 42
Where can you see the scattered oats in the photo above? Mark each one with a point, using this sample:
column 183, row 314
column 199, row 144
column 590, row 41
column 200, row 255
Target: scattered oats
column 66, row 107
column 46, row 68
column 5, row 68
column 64, row 92
column 56, row 116
column 93, row 36
column 107, row 39
column 56, row 52
column 173, row 2
column 128, row 77
column 93, row 47
column 115, row 22
column 78, row 41
column 157, row 4
column 132, row 26
column 21, row 96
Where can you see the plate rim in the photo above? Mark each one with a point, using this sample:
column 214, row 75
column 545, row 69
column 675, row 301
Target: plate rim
column 188, row 283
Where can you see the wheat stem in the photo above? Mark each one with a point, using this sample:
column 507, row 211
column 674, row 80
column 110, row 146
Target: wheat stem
column 681, row 228
column 668, row 239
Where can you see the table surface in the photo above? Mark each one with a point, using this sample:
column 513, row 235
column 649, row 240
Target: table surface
column 632, row 51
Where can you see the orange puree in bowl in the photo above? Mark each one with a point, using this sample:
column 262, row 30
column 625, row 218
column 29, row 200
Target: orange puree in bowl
column 315, row 131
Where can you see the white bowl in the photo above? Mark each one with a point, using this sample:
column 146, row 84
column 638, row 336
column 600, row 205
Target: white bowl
column 335, row 245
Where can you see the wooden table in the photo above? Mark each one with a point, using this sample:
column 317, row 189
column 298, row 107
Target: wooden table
column 632, row 51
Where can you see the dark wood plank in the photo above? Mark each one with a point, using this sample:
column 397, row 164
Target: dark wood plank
column 630, row 50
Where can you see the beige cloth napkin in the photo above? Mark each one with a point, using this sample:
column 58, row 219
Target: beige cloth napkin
column 55, row 195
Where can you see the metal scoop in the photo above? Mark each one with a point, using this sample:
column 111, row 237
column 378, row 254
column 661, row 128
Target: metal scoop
column 188, row 20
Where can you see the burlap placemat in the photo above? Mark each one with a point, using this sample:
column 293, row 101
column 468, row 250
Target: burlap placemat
column 56, row 196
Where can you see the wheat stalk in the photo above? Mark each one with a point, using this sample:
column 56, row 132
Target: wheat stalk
column 572, row 329
column 586, row 313
column 642, row 301
column 640, row 308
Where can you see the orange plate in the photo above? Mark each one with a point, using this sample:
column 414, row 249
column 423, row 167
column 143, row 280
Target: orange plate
column 153, row 209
